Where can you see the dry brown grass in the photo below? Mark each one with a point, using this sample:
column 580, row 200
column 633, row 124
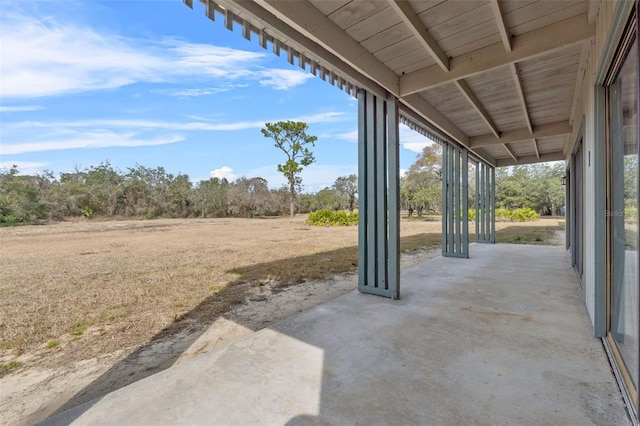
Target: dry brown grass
column 96, row 287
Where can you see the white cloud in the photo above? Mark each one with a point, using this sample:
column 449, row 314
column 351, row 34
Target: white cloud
column 281, row 79
column 415, row 146
column 96, row 139
column 43, row 56
column 324, row 117
column 351, row 136
column 412, row 140
column 224, row 172
column 25, row 108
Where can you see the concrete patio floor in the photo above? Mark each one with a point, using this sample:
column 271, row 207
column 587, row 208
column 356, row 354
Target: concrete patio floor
column 501, row 338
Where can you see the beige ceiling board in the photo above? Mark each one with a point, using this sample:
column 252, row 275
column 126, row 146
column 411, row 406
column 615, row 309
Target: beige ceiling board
column 542, row 13
column 545, row 130
column 452, row 103
column 329, row 6
column 530, row 159
column 493, row 151
column 403, row 9
column 509, row 6
column 477, row 105
column 497, row 91
column 353, row 12
column 457, row 47
column 470, row 28
column 449, row 14
column 422, row 5
column 398, row 49
column 410, row 62
column 496, row 8
column 375, row 24
column 541, row 41
column 551, row 144
column 522, row 149
column 386, row 37
column 426, row 110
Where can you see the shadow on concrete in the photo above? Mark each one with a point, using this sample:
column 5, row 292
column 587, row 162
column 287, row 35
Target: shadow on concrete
column 167, row 346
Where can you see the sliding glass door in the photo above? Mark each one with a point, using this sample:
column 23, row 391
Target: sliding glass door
column 622, row 213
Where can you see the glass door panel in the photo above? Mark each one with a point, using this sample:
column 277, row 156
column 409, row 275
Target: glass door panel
column 623, row 119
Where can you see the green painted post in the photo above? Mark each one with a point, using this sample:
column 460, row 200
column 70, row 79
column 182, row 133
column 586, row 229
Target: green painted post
column 444, row 213
column 362, row 189
column 465, row 203
column 381, row 194
column 372, row 258
column 394, row 197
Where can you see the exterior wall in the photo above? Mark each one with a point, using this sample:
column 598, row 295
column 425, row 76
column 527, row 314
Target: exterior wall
column 584, row 118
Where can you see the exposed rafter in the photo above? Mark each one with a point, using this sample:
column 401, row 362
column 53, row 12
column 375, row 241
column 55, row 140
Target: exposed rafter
column 534, row 43
column 592, row 11
column 545, row 130
column 475, row 103
column 535, row 147
column 409, row 17
column 577, row 90
column 530, row 159
column 506, row 147
column 502, row 26
column 523, row 101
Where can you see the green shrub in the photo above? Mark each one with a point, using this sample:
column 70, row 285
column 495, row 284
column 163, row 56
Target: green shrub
column 331, row 218
column 518, row 215
column 7, row 220
column 472, row 214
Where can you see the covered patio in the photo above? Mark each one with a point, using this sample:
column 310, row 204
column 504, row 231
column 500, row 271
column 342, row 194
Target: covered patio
column 487, row 340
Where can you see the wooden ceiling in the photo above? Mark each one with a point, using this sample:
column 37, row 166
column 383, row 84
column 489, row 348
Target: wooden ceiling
column 500, row 77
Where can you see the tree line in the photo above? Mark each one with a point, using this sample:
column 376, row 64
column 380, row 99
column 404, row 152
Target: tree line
column 536, row 186
column 145, row 192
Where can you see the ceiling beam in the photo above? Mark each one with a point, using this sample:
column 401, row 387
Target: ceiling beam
column 545, row 130
column 506, row 147
column 403, row 9
column 577, row 90
column 502, row 26
column 475, row 103
column 592, row 11
column 534, row 43
column 530, row 159
column 308, row 21
column 523, row 102
column 535, row 147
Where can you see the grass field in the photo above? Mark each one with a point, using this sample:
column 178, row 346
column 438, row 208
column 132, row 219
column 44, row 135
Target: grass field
column 90, row 288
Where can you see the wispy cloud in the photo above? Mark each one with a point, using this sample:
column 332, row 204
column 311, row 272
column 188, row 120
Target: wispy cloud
column 24, row 167
column 45, row 56
column 323, row 117
column 409, row 139
column 23, row 108
column 99, row 139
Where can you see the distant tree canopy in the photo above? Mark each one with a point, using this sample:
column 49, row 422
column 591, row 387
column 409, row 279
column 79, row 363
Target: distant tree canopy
column 292, row 139
column 143, row 192
column 536, row 186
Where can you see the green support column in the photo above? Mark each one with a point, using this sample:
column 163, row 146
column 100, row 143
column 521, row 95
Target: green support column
column 378, row 196
column 455, row 209
column 485, row 203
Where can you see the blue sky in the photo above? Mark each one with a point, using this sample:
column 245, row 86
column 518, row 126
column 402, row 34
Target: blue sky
column 158, row 84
